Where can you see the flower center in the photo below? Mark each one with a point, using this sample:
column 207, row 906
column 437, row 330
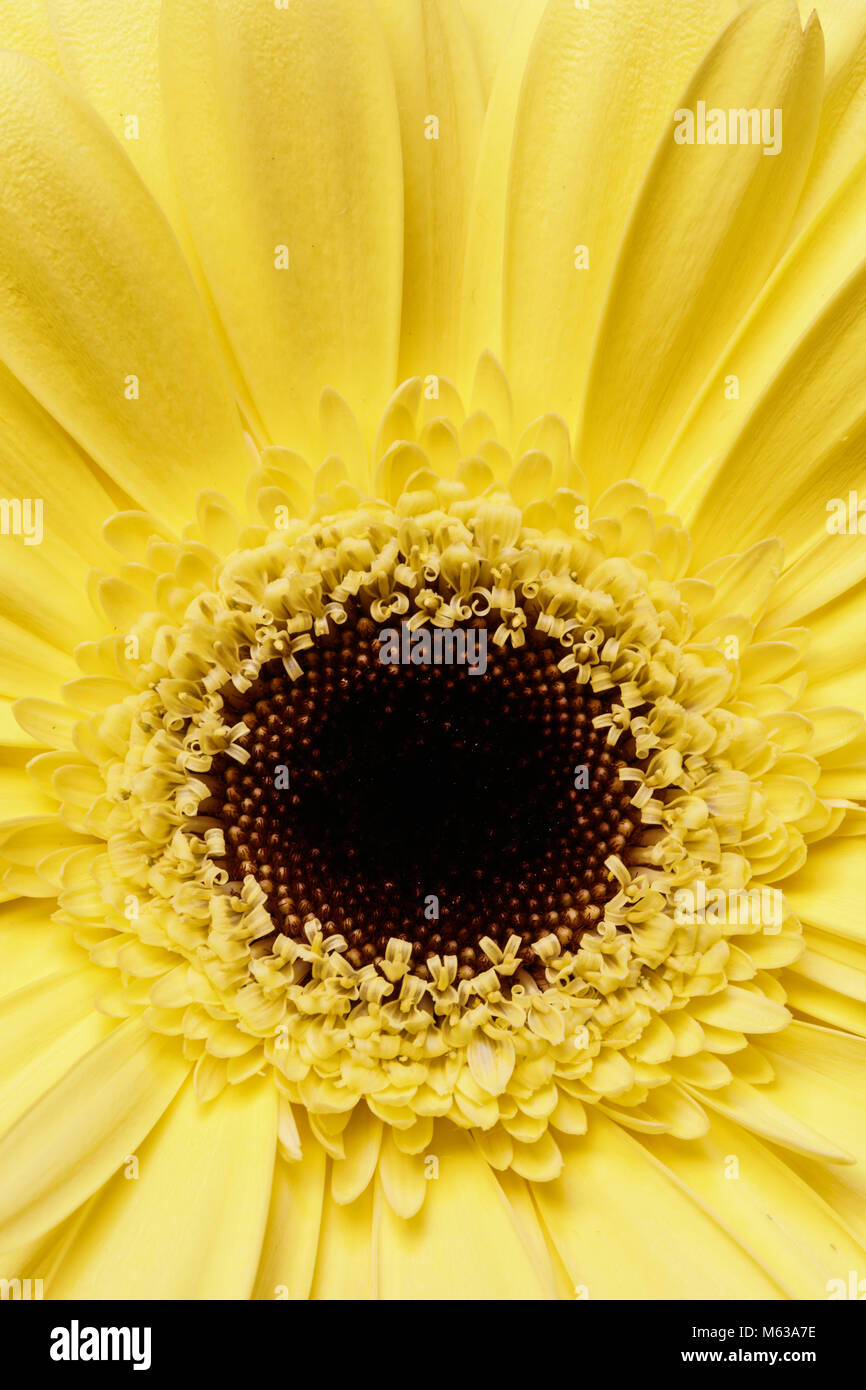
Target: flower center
column 438, row 792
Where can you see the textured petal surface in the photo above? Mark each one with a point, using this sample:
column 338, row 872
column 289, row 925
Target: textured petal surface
column 45, row 1027
column 345, row 1259
column 66, row 1145
column 26, row 27
column 599, row 88
column 291, row 114
column 489, row 23
column 99, row 317
column 683, row 280
column 202, row 1188
column 465, row 1242
column 441, row 108
column 764, row 1205
column 624, row 1229
column 291, row 1237
column 112, row 56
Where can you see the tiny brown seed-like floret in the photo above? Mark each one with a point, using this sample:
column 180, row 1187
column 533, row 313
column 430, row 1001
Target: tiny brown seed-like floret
column 429, row 802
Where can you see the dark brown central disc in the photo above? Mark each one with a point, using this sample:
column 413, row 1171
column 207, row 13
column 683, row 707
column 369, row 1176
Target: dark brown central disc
column 426, row 802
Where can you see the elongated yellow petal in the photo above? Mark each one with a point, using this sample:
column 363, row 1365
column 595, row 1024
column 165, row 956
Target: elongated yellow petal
column 465, row 1242
column 116, row 66
column 31, row 666
column 839, row 143
column 202, row 1189
column 291, row 1237
column 821, row 456
column 361, row 1141
column 757, row 1108
column 536, row 1239
column 345, row 1263
column 32, row 946
column 813, row 271
column 683, row 280
column 819, row 1076
column 41, row 1258
column 828, row 890
column 844, row 26
column 11, row 733
column 402, row 1177
column 764, row 1205
column 441, row 109
column 624, row 1229
column 483, row 282
column 291, row 114
column 490, row 23
column 67, row 1144
column 45, row 1027
column 740, row 1009
column 48, row 562
column 836, row 644
column 138, row 384
column 581, row 145
column 830, row 992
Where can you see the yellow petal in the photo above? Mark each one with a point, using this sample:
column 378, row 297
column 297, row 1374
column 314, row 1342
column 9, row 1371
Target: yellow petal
column 839, row 144
column 290, row 114
column 67, row 1144
column 481, row 309
column 361, row 1141
column 600, row 84
column 540, row 1161
column 345, row 1259
column 685, row 276
column 828, row 890
column 548, row 1265
column 29, row 666
column 291, row 1238
column 19, row 794
column 846, row 688
column 680, row 1115
column 806, row 279
column 31, row 945
column 114, row 63
column 843, row 24
column 48, row 723
column 25, row 26
column 764, row 1205
column 403, row 1178
column 441, row 109
column 40, row 1258
column 810, row 423
column 201, row 1193
column 465, row 1242
column 11, row 733
column 740, row 1009
column 836, row 643
column 45, row 1027
column 820, row 1075
column 829, row 992
column 758, row 1108
column 43, row 582
column 490, row 25
column 625, row 1230
column 88, row 270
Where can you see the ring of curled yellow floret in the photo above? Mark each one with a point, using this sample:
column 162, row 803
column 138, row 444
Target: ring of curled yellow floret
column 635, row 1018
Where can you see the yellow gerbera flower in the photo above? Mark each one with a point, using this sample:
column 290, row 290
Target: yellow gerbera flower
column 432, row 691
